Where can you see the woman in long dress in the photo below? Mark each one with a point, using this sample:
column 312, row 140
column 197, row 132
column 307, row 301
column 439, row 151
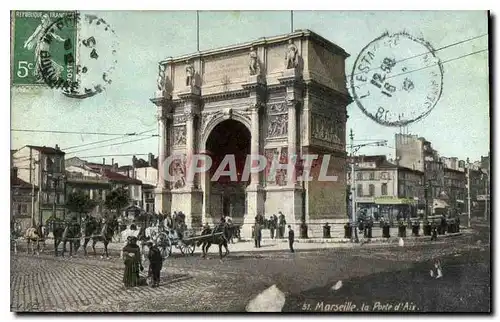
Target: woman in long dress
column 132, row 260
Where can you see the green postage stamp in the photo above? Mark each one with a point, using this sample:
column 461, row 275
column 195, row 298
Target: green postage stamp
column 32, row 34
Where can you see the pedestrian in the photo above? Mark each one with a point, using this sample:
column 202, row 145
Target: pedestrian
column 132, row 260
column 257, row 235
column 155, row 263
column 291, row 238
column 272, row 226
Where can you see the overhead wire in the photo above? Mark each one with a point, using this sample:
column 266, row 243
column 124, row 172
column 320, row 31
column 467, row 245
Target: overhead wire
column 108, row 145
column 425, row 53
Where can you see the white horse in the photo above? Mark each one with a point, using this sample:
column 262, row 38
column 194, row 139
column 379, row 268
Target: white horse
column 35, row 235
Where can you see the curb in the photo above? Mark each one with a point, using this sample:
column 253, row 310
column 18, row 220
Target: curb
column 336, row 240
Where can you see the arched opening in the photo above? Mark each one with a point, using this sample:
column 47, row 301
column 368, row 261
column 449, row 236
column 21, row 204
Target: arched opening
column 228, row 139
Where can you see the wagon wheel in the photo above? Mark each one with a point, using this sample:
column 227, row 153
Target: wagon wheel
column 190, row 249
column 166, row 249
column 182, row 247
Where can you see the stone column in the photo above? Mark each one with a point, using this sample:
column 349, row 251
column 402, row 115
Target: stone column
column 189, row 146
column 162, row 192
column 293, row 191
column 292, row 142
column 255, row 193
column 254, row 145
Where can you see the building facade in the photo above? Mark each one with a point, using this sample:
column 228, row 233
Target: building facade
column 23, row 200
column 147, row 172
column 43, row 167
column 278, row 97
column 384, row 189
column 91, row 183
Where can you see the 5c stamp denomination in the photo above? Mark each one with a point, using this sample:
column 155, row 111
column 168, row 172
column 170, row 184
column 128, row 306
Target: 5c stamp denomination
column 397, row 79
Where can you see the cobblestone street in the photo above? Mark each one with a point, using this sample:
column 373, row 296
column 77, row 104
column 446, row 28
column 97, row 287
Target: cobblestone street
column 46, row 283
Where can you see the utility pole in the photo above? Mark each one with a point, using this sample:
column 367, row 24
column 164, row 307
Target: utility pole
column 354, row 149
column 354, row 236
column 33, row 168
column 468, row 193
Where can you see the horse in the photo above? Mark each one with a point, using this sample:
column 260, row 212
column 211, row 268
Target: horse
column 212, row 238
column 98, row 233
column 71, row 234
column 35, row 235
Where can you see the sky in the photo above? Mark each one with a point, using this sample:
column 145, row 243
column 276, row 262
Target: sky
column 458, row 126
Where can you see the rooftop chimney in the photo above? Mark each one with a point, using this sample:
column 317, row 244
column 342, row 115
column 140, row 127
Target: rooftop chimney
column 113, row 162
column 150, row 159
column 103, row 161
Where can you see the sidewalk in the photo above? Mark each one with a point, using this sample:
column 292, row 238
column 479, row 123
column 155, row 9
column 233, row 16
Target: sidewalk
column 269, row 245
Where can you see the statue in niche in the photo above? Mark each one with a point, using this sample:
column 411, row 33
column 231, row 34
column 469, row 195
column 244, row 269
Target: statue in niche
column 189, row 74
column 292, row 56
column 254, row 62
column 160, row 81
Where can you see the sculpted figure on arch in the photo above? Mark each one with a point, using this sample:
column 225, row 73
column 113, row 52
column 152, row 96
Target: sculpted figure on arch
column 189, row 74
column 292, row 56
column 254, row 62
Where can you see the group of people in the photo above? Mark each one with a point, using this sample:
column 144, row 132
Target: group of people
column 133, row 263
column 274, row 223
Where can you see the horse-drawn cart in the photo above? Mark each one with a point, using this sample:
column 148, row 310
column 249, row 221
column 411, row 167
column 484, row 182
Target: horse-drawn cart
column 184, row 241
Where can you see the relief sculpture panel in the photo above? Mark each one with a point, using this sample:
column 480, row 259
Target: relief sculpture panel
column 179, row 135
column 277, row 120
column 178, row 171
column 270, row 155
column 278, row 125
column 325, row 129
column 180, row 119
column 282, row 173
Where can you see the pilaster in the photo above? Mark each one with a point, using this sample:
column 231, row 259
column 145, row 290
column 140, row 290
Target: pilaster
column 189, row 199
column 163, row 101
column 256, row 84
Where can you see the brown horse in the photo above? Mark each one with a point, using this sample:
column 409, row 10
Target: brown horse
column 35, row 235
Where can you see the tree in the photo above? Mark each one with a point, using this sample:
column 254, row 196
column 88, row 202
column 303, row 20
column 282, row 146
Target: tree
column 80, row 203
column 117, row 199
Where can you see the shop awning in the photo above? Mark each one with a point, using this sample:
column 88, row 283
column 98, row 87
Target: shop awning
column 394, row 201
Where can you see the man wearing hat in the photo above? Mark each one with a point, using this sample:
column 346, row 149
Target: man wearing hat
column 132, row 261
column 155, row 263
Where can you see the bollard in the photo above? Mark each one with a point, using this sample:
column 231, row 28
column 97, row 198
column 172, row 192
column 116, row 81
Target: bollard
column 427, row 229
column 415, row 229
column 326, row 231
column 386, row 231
column 347, row 231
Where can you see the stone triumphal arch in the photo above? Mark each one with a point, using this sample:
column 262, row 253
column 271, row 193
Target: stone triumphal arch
column 277, row 97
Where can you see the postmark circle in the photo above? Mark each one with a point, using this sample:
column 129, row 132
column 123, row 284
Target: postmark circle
column 87, row 72
column 397, row 79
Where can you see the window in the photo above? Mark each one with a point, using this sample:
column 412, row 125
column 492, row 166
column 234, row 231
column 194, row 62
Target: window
column 384, row 189
column 372, row 175
column 359, row 190
column 359, row 176
column 371, row 190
